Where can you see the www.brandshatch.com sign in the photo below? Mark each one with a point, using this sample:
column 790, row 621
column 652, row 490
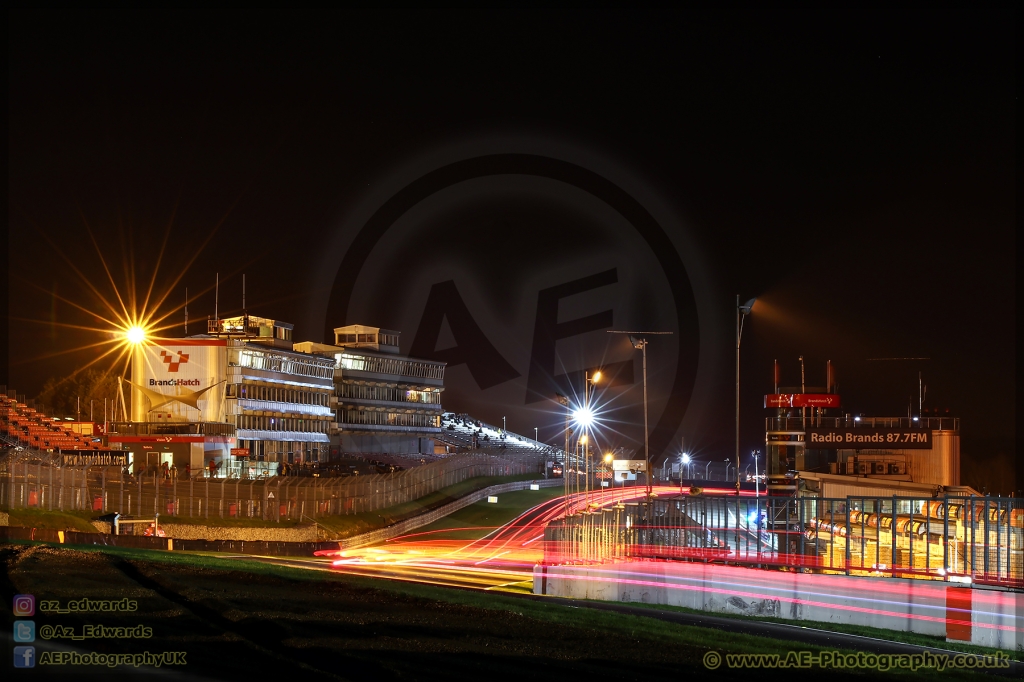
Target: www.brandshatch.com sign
column 861, row 438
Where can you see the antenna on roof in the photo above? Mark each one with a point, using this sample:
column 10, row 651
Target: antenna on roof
column 245, row 313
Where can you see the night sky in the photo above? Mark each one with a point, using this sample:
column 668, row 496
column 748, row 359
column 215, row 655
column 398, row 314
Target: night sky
column 854, row 171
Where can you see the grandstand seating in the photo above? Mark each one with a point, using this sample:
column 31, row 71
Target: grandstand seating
column 24, row 426
column 459, row 430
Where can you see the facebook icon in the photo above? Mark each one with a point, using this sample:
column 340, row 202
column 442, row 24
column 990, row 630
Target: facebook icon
column 24, row 657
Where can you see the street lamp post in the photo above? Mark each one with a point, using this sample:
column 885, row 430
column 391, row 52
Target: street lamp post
column 706, row 467
column 589, row 382
column 684, row 460
column 741, row 313
column 564, row 401
column 641, row 345
column 757, row 490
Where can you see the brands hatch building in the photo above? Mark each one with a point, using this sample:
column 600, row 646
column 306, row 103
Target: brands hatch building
column 243, row 399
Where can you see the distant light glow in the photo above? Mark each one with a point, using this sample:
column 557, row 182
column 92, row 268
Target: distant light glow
column 686, row 458
column 915, row 418
column 856, row 419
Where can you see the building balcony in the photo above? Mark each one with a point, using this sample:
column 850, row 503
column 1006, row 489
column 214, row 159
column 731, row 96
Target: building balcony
column 171, row 429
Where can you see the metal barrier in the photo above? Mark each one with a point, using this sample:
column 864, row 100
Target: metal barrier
column 958, row 539
column 27, row 483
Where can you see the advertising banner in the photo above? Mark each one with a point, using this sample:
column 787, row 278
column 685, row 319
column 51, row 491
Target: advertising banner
column 629, row 465
column 801, row 400
column 867, row 437
column 178, row 380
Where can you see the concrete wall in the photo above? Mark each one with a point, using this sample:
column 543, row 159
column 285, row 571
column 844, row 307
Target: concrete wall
column 888, row 603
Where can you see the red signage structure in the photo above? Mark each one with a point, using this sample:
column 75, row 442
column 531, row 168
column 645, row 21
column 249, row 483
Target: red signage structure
column 240, row 452
column 801, row 400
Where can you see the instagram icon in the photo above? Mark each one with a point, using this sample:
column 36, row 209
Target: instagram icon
column 24, row 605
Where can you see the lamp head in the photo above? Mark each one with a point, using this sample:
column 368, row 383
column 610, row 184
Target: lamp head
column 747, row 307
column 135, row 335
column 637, row 342
column 596, row 378
column 686, row 458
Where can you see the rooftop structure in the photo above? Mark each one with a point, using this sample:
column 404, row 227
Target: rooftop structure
column 385, row 402
column 367, row 338
column 808, row 436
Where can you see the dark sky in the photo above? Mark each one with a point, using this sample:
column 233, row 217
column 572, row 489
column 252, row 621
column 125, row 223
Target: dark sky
column 854, row 170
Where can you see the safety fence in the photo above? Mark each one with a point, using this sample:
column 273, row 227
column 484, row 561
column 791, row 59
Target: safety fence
column 37, row 484
column 959, row 539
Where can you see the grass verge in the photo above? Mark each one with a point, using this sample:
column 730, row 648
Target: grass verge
column 355, row 524
column 52, row 520
column 477, row 520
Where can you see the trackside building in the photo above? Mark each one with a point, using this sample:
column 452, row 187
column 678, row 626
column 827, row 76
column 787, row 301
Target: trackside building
column 243, row 398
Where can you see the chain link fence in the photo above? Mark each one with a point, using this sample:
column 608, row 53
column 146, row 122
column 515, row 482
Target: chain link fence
column 46, row 483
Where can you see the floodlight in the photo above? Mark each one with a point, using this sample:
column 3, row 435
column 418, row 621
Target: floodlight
column 135, row 335
column 583, row 416
column 746, row 307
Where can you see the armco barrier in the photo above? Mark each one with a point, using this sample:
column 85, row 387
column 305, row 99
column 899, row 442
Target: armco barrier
column 402, row 527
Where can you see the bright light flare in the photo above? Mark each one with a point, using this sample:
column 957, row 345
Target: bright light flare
column 135, row 335
column 584, row 416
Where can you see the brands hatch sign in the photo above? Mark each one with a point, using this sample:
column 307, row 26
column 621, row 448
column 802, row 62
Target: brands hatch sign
column 175, row 382
column 863, row 438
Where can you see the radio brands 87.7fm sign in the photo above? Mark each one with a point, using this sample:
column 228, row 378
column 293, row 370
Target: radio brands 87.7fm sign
column 864, row 438
column 511, row 268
